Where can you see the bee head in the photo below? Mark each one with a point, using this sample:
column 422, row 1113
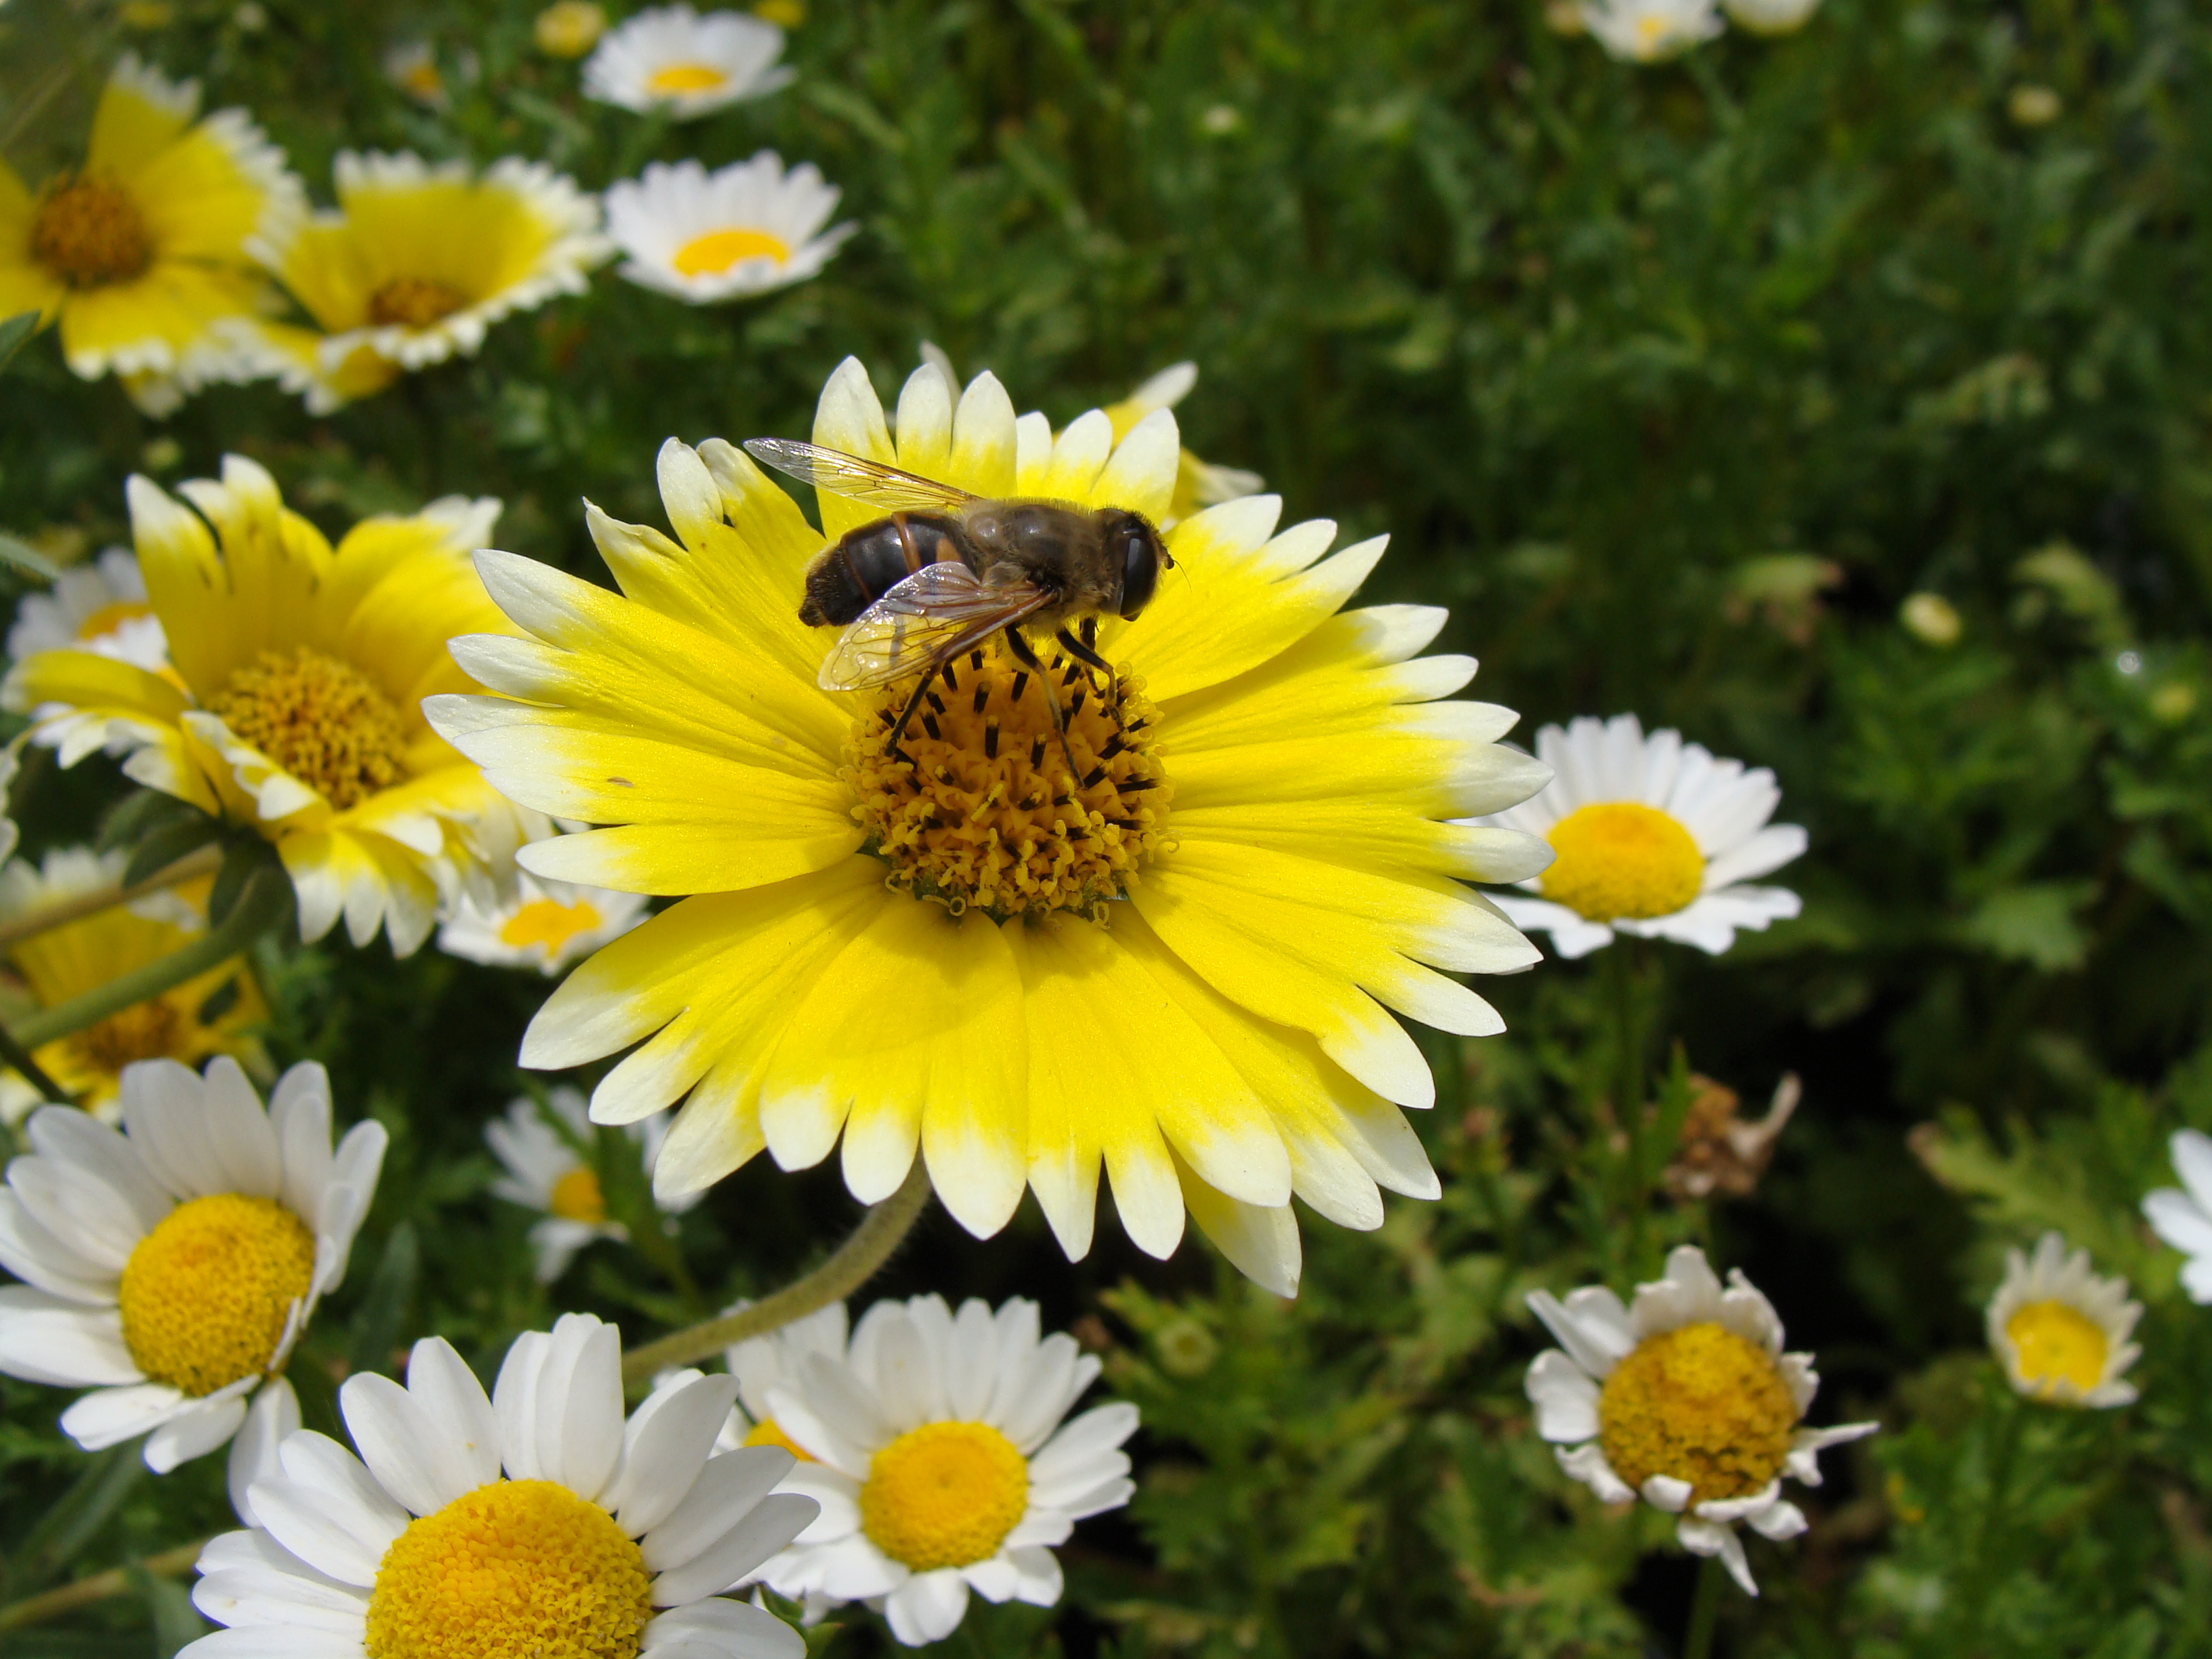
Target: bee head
column 1135, row 553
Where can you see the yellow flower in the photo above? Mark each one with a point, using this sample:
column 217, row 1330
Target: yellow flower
column 2060, row 1331
column 213, row 1013
column 1180, row 962
column 418, row 262
column 568, row 28
column 293, row 701
column 141, row 252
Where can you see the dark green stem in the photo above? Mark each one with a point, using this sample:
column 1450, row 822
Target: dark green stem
column 1705, row 1610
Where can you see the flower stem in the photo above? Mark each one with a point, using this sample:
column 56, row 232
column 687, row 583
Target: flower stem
column 50, row 1604
column 1705, row 1610
column 203, row 862
column 849, row 1266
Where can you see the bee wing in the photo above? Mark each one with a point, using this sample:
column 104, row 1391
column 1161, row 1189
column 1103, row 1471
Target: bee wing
column 857, row 480
column 924, row 622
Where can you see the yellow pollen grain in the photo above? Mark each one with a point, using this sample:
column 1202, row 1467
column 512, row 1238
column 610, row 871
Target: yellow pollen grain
column 89, row 233
column 516, row 1570
column 413, row 302
column 548, row 922
column 769, row 1432
column 676, row 79
column 321, row 720
column 1620, row 859
column 2057, row 1346
column 146, row 1030
column 712, row 254
column 205, row 1295
column 944, row 1495
column 983, row 813
column 1700, row 1403
column 109, row 617
column 576, row 1197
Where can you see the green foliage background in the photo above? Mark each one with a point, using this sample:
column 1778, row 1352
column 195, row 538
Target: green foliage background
column 1673, row 383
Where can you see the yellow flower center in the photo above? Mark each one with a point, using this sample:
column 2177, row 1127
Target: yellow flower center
column 718, row 250
column 769, row 1432
column 109, row 617
column 569, row 28
column 548, row 922
column 944, row 1495
column 146, row 1030
column 1700, row 1403
column 2057, row 1343
column 516, row 1570
column 576, row 1196
column 321, row 720
column 413, row 302
column 205, row 1295
column 89, row 233
column 983, row 811
column 1618, row 859
column 676, row 79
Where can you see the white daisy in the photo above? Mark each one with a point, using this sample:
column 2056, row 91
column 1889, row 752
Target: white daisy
column 547, row 1171
column 1771, row 16
column 1652, row 837
column 273, row 1413
column 2183, row 1219
column 2060, row 1331
column 1650, row 31
column 170, row 1267
column 544, row 925
column 742, row 229
column 1686, row 1399
column 603, row 1537
column 99, row 607
column 683, row 63
column 762, row 1363
column 937, row 1464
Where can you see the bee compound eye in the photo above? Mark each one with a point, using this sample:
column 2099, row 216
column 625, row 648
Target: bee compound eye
column 1140, row 568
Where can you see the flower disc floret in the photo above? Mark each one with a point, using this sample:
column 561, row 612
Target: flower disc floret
column 1702, row 1405
column 91, row 234
column 205, row 1295
column 2057, row 1343
column 413, row 302
column 146, row 1030
column 576, row 1197
column 321, row 720
column 944, row 1495
column 1621, row 859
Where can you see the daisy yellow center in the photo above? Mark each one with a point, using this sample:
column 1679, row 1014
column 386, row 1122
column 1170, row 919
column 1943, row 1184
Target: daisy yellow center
column 413, row 302
column 576, row 1197
column 2057, row 1343
column 718, row 250
column 89, row 233
column 980, row 807
column 769, row 1432
column 109, row 617
column 1701, row 1404
column 320, row 719
column 548, row 922
column 674, row 80
column 1651, row 29
column 1618, row 859
column 205, row 1295
column 944, row 1495
column 516, row 1570
column 147, row 1030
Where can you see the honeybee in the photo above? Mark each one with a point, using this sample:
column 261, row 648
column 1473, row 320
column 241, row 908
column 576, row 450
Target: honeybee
column 946, row 570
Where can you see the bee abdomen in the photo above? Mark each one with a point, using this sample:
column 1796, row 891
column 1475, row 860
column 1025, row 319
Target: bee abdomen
column 870, row 560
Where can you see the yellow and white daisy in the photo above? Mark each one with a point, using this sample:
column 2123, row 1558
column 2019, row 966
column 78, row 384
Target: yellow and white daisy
column 100, row 607
column 1178, row 961
column 1198, row 484
column 684, row 64
column 545, row 925
column 141, row 253
column 1683, row 1398
column 764, row 1364
column 295, row 702
column 419, row 260
column 2060, row 1331
column 536, row 1521
column 936, row 1449
column 1650, row 31
column 1652, row 837
column 170, row 1267
column 551, row 1172
column 706, row 237
column 1771, row 17
column 2184, row 1217
column 212, row 1013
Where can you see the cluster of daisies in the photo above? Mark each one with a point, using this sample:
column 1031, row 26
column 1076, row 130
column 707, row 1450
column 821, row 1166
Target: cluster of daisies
column 1653, row 30
column 182, row 251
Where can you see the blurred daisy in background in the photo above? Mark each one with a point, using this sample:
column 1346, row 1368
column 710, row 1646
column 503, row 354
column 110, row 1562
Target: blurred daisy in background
column 743, row 229
column 602, row 1536
column 545, row 925
column 547, row 1154
column 100, row 607
column 1683, row 1398
column 1650, row 31
column 568, row 28
column 418, row 261
column 412, row 66
column 2060, row 1331
column 216, row 1013
column 2184, row 1218
column 1651, row 837
column 169, row 1268
column 684, row 64
column 939, row 1456
column 762, row 1365
column 141, row 253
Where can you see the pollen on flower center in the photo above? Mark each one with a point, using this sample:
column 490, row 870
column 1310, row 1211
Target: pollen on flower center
column 516, row 1570
column 89, row 233
column 2057, row 1343
column 145, row 1031
column 979, row 809
column 548, row 922
column 321, row 720
column 1618, row 859
column 712, row 254
column 576, row 1197
column 413, row 302
column 205, row 1295
column 676, row 79
column 1700, row 1403
column 944, row 1495
column 769, row 1432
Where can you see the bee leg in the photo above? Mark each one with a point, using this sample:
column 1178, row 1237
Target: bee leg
column 1025, row 654
column 1082, row 652
column 905, row 715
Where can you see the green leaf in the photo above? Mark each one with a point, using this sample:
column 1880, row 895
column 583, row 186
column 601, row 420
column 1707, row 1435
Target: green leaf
column 378, row 1327
column 13, row 332
column 2034, row 924
column 22, row 554
column 167, row 844
column 176, row 1621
